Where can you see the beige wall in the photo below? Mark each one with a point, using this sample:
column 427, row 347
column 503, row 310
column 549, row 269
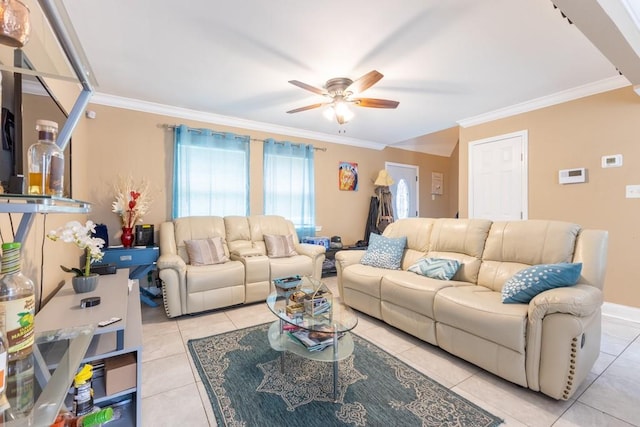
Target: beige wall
column 578, row 134
column 122, row 142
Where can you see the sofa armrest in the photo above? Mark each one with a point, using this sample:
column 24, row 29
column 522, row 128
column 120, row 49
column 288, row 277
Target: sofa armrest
column 579, row 300
column 312, row 251
column 172, row 271
column 172, row 261
column 563, row 339
column 316, row 253
column 347, row 258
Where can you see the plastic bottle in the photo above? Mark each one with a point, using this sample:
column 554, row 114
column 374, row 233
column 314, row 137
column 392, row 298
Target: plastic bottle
column 46, row 162
column 83, row 394
column 4, row 404
column 5, row 413
column 17, row 301
column 90, row 420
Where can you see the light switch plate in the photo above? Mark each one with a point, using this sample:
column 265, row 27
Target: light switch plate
column 633, row 192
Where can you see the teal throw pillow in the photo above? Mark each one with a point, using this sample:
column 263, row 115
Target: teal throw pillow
column 384, row 252
column 436, row 268
column 527, row 283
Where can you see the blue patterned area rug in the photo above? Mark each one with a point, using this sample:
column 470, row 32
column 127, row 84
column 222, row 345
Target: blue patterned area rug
column 241, row 374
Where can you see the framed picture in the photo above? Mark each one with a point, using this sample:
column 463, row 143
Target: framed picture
column 348, row 176
column 437, row 181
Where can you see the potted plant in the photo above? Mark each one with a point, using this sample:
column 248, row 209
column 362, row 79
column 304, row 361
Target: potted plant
column 81, row 235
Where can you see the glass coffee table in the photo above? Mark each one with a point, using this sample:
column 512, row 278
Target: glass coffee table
column 311, row 324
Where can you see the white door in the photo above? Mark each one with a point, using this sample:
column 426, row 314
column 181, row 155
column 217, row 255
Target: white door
column 498, row 188
column 404, row 191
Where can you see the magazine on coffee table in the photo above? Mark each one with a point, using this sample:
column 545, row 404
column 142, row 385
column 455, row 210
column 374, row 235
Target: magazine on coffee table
column 313, row 340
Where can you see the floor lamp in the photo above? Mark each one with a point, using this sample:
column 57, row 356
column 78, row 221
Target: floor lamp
column 385, row 207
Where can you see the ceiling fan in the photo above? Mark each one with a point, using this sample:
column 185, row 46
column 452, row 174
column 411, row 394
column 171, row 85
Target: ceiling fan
column 342, row 91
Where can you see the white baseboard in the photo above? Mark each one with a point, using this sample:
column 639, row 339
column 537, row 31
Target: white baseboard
column 619, row 311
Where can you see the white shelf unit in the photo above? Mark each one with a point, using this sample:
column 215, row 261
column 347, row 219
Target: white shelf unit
column 118, row 299
column 63, row 312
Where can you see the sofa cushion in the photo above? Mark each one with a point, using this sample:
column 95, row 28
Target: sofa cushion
column 462, row 240
column 479, row 311
column 206, row 251
column 196, row 227
column 384, row 252
column 527, row 283
column 290, row 266
column 435, row 268
column 413, row 292
column 279, row 246
column 514, row 245
column 218, row 276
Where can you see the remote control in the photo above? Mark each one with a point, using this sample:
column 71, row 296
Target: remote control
column 108, row 322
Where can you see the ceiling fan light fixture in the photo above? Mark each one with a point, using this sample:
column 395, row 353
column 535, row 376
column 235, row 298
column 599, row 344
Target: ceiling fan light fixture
column 343, row 113
column 340, row 91
column 338, row 111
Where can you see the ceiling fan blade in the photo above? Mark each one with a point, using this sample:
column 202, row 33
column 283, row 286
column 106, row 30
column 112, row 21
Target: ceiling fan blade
column 308, row 87
column 375, row 103
column 364, row 82
column 308, row 107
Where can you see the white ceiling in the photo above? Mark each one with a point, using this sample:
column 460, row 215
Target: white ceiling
column 444, row 61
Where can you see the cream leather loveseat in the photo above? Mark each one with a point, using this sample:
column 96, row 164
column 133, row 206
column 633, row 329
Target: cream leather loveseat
column 247, row 271
column 548, row 345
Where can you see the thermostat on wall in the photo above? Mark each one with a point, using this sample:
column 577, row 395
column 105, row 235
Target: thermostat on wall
column 572, row 176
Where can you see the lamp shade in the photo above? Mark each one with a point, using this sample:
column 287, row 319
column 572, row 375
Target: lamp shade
column 383, row 179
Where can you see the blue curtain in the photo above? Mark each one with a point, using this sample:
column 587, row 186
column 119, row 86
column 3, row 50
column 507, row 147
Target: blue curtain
column 210, row 174
column 289, row 184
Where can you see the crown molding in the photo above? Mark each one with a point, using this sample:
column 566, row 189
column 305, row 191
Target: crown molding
column 594, row 88
column 33, row 87
column 201, row 116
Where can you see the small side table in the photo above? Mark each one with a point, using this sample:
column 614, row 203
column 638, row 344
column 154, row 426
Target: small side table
column 329, row 265
column 142, row 258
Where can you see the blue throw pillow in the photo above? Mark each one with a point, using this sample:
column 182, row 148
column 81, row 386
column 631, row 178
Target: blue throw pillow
column 384, row 252
column 436, row 268
column 527, row 283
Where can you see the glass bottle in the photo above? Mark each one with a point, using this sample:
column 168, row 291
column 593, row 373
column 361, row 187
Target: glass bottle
column 46, row 162
column 17, row 301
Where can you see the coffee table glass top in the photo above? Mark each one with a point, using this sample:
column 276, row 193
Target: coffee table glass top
column 337, row 319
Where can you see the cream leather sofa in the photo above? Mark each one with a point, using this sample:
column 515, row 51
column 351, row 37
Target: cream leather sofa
column 245, row 278
column 548, row 345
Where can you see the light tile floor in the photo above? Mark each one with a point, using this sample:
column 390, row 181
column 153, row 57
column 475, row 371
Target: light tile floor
column 173, row 395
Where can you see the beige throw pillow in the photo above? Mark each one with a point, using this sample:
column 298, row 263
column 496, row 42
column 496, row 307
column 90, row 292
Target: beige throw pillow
column 279, row 246
column 206, row 251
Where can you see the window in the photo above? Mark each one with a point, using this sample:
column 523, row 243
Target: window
column 289, row 184
column 402, row 199
column 211, row 173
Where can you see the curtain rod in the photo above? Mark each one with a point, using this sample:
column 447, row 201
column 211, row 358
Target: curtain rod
column 171, row 127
